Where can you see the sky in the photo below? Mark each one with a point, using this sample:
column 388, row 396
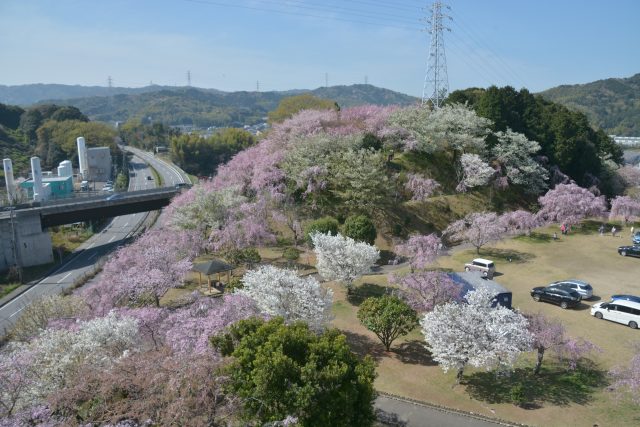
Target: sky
column 302, row 44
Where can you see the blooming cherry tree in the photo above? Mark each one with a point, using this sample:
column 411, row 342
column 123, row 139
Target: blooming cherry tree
column 518, row 222
column 475, row 172
column 569, row 203
column 426, row 289
column 477, row 228
column 421, row 250
column 421, row 188
column 514, row 155
column 281, row 292
column 626, row 379
column 625, row 208
column 475, row 334
column 342, row 258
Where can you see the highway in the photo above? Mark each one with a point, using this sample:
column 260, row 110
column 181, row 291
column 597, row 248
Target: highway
column 99, row 245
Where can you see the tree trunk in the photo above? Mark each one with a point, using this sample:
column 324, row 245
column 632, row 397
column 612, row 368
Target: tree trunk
column 459, row 374
column 539, row 360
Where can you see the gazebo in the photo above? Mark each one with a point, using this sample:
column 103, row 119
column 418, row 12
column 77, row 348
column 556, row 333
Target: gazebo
column 210, row 267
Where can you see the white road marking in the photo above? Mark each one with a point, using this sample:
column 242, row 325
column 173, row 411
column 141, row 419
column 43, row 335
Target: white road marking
column 18, row 311
column 92, row 256
column 111, row 239
column 126, row 225
column 67, row 275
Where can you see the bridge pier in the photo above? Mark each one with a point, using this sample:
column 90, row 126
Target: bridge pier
column 22, row 237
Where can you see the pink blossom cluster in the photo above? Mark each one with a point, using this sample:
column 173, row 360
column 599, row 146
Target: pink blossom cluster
column 426, row 289
column 569, row 203
column 420, row 187
column 421, row 250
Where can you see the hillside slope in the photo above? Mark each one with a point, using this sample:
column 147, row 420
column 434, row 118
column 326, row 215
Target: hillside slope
column 612, row 104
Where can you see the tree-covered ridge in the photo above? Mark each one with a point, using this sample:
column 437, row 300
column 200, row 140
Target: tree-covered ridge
column 48, row 131
column 566, row 138
column 204, row 108
column 611, row 104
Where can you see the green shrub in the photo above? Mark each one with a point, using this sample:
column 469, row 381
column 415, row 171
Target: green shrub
column 247, row 256
column 234, row 283
column 291, row 254
column 323, row 225
column 360, row 228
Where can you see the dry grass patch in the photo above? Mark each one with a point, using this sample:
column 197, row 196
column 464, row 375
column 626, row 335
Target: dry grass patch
column 562, row 398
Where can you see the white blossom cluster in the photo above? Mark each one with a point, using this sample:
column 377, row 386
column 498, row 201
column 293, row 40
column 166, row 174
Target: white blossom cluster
column 475, row 333
column 341, row 258
column 281, row 292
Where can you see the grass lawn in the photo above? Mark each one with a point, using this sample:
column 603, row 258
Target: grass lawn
column 561, row 398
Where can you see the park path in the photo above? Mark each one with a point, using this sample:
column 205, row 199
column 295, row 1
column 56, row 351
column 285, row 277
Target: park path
column 398, row 412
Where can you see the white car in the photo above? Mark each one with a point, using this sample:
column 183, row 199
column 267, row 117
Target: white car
column 583, row 288
column 486, row 267
column 621, row 311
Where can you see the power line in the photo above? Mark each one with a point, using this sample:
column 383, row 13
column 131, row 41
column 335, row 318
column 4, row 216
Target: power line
column 310, row 15
column 473, row 36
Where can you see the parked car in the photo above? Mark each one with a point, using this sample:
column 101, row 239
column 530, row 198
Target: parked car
column 583, row 288
column 629, row 250
column 484, row 266
column 636, row 238
column 149, row 178
column 115, row 197
column 565, row 298
column 182, row 185
column 626, row 297
column 621, row 311
column 109, row 183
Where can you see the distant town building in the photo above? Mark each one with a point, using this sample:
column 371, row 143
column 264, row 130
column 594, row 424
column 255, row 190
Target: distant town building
column 626, row 140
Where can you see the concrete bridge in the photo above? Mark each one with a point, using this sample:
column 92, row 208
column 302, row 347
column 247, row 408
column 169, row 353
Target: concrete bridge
column 23, row 236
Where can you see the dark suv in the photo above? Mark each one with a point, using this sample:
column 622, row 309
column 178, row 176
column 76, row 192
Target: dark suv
column 556, row 295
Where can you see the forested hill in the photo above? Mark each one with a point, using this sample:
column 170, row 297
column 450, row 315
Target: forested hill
column 612, row 104
column 203, row 107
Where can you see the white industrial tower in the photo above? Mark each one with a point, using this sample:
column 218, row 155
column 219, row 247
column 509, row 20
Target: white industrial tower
column 436, row 81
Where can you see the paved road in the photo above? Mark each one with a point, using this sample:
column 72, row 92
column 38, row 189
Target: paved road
column 171, row 175
column 86, row 255
column 403, row 413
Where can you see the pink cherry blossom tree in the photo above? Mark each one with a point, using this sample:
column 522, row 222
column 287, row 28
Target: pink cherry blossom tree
column 569, row 204
column 625, row 208
column 421, row 250
column 421, row 188
column 141, row 273
column 426, row 289
column 626, row 379
column 518, row 222
column 477, row 228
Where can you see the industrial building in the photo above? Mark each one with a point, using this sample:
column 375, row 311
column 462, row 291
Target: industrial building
column 54, row 186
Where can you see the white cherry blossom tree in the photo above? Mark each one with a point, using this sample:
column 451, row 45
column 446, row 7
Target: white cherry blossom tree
column 281, row 292
column 475, row 333
column 341, row 258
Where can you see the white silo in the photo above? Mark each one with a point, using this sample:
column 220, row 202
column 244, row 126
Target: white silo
column 65, row 168
column 36, row 172
column 8, row 179
column 83, row 163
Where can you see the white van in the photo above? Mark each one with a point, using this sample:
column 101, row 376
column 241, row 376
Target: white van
column 485, row 266
column 84, row 186
column 621, row 311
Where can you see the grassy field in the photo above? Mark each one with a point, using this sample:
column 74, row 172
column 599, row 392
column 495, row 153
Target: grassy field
column 561, row 398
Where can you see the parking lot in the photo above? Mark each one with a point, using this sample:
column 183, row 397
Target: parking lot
column 584, row 255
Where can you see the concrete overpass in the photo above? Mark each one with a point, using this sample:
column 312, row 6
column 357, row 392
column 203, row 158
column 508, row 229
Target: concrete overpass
column 24, row 238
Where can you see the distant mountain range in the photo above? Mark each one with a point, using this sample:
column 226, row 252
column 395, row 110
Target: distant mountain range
column 187, row 105
column 612, row 104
